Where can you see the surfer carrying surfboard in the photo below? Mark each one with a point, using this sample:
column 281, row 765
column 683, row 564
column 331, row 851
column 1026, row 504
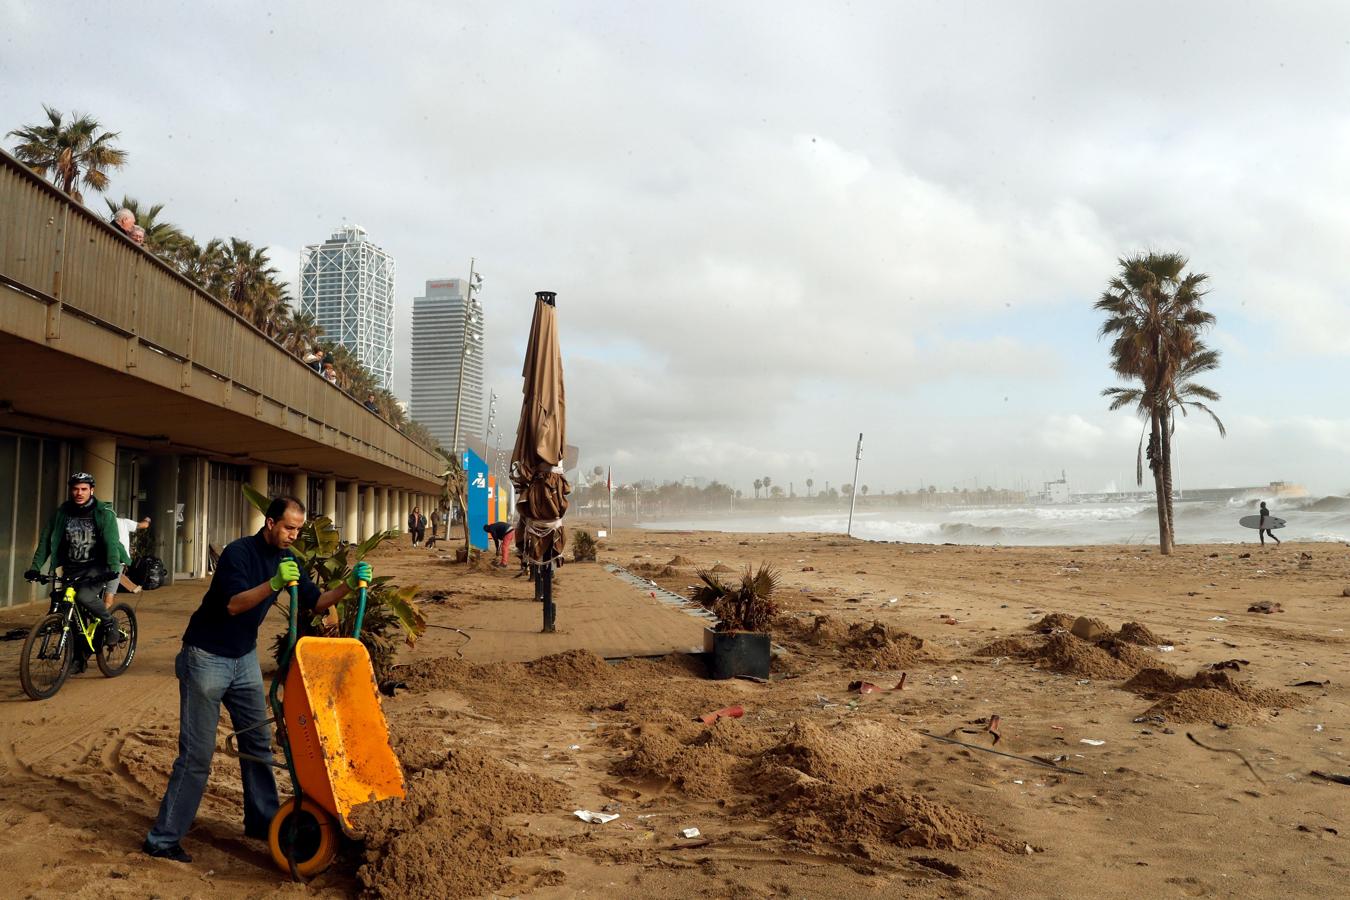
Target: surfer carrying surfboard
column 1265, row 514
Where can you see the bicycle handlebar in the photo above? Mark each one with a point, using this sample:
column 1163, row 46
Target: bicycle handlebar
column 95, row 578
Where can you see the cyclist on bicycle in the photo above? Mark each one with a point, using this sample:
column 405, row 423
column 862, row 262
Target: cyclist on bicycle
column 84, row 540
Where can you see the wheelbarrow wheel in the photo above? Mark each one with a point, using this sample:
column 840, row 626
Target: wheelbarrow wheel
column 315, row 838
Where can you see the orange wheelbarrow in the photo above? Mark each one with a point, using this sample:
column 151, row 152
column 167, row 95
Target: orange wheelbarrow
column 336, row 742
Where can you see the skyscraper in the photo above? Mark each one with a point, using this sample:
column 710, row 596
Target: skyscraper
column 347, row 284
column 438, row 332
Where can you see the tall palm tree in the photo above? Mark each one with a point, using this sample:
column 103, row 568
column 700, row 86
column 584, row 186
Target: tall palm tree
column 161, row 238
column 198, row 263
column 759, row 483
column 766, row 481
column 247, row 281
column 72, row 153
column 1154, row 317
column 302, row 332
column 810, row 483
column 1185, row 396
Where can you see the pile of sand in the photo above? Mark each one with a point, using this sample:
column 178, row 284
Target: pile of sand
column 451, row 836
column 722, row 567
column 868, row 645
column 817, row 812
column 573, row 669
column 1136, row 633
column 1204, row 705
column 436, row 674
column 842, row 785
column 876, row 646
column 652, row 570
column 698, row 760
column 679, row 560
column 1207, row 696
column 856, row 753
column 1007, row 646
column 1111, row 658
column 1052, row 622
column 822, row 786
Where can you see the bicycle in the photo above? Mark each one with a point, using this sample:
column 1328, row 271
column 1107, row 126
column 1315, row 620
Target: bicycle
column 49, row 649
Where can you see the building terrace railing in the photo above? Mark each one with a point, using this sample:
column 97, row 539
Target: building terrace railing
column 59, row 252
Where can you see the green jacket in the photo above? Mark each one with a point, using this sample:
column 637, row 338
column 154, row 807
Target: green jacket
column 105, row 521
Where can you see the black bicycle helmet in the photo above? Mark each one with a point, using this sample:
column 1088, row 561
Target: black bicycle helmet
column 81, row 478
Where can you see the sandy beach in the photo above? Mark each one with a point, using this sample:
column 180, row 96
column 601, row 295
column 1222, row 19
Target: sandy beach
column 818, row 791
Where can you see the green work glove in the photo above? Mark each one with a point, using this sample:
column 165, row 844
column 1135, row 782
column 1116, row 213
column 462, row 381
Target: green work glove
column 288, row 572
column 362, row 573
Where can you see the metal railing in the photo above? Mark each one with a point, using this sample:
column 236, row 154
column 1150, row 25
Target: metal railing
column 60, row 253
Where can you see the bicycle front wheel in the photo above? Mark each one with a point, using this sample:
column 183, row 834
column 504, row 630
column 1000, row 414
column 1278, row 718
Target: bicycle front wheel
column 113, row 662
column 46, row 658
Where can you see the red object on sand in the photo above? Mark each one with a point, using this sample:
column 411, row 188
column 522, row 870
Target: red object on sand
column 726, row 712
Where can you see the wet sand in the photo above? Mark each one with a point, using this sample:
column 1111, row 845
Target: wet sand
column 818, row 791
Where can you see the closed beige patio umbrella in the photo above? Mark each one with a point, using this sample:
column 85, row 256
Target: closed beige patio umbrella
column 536, row 461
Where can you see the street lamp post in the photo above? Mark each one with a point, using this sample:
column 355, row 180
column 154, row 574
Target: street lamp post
column 475, row 281
column 853, row 494
column 491, row 420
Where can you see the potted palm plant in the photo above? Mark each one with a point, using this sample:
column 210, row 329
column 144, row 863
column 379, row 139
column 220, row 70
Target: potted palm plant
column 739, row 644
column 320, row 551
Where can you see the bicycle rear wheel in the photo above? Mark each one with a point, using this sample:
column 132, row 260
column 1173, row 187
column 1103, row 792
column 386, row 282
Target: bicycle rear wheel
column 116, row 661
column 46, row 658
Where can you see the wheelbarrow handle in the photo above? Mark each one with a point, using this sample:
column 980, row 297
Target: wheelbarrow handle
column 232, row 746
column 360, row 609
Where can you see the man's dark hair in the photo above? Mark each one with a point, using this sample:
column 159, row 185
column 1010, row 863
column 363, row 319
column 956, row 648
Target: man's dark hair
column 277, row 508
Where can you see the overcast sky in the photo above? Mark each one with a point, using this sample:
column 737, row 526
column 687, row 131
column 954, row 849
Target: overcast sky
column 774, row 225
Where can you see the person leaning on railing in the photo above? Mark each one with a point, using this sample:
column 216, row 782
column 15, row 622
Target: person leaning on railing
column 124, row 220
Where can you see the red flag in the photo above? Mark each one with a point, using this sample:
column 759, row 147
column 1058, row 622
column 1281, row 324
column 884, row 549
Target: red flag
column 609, row 480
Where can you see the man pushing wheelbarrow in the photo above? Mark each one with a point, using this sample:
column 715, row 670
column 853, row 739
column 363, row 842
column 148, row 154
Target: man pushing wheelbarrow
column 218, row 665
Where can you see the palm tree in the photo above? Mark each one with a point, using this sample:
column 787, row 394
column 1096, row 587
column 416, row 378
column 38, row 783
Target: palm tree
column 864, row 490
column 197, row 263
column 247, row 281
column 302, row 332
column 1154, row 317
column 759, row 483
column 1185, row 396
column 766, row 481
column 73, row 153
column 455, row 494
column 161, row 238
column 810, row 483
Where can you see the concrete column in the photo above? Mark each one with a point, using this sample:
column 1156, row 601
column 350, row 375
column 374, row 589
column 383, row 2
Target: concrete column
column 390, row 513
column 162, row 494
column 300, row 484
column 381, row 508
column 330, row 499
column 257, row 479
column 351, row 528
column 368, row 514
column 100, row 460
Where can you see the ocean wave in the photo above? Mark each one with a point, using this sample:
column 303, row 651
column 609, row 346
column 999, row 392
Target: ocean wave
column 1063, row 513
column 1320, row 504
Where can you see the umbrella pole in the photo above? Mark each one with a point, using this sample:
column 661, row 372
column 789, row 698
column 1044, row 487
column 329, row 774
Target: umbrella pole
column 546, row 593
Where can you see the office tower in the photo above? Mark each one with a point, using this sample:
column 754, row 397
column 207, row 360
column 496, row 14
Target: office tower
column 347, row 284
column 438, row 334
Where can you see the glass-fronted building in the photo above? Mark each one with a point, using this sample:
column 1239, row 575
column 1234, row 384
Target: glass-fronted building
column 438, row 335
column 347, row 284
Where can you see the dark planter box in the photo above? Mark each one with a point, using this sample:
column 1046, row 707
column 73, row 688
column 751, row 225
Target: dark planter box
column 735, row 653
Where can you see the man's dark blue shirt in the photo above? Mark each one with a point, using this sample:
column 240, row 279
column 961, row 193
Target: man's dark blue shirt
column 245, row 564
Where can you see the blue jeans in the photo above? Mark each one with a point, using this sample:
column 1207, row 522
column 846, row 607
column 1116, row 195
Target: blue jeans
column 205, row 681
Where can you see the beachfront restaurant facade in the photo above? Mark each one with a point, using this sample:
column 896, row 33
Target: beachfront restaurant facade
column 113, row 364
